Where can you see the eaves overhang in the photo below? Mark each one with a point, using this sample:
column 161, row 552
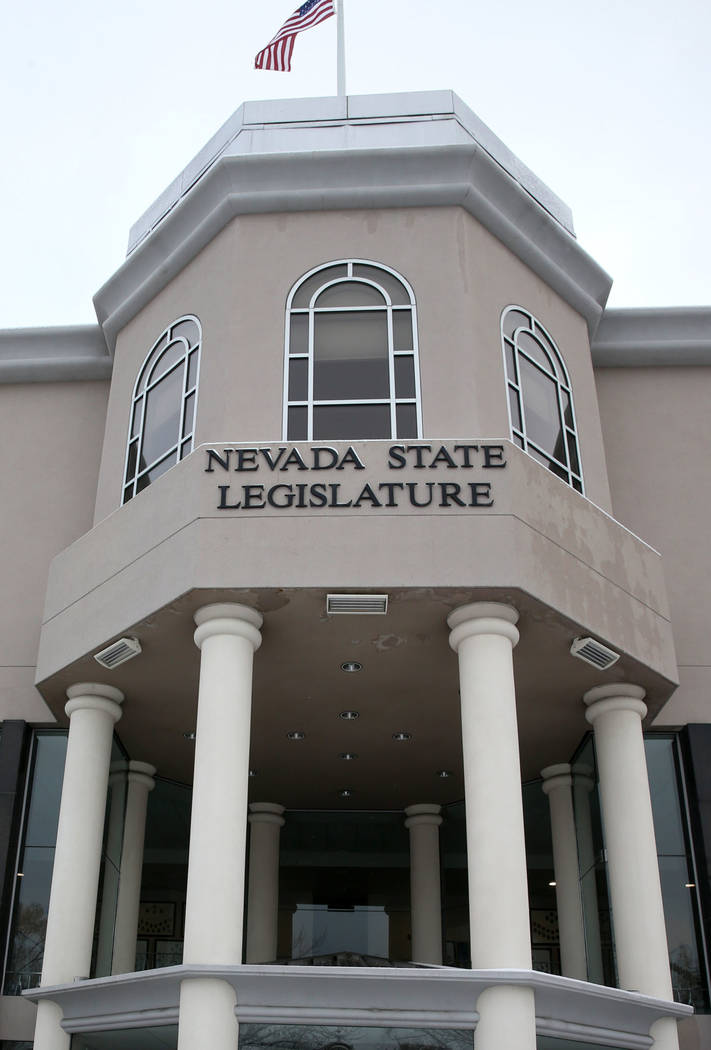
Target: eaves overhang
column 54, row 355
column 648, row 337
column 431, row 160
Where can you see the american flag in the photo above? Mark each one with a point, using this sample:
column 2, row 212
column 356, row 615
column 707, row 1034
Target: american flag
column 277, row 53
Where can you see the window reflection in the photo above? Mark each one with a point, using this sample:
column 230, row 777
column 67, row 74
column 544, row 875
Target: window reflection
column 351, row 370
column 539, row 396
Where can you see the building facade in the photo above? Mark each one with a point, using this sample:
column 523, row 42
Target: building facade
column 354, row 674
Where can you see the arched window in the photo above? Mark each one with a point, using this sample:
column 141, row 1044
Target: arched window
column 540, row 398
column 163, row 407
column 351, row 355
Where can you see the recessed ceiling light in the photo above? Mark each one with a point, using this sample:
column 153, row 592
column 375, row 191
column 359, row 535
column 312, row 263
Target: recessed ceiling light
column 402, row 736
column 20, row 874
column 345, row 793
column 351, row 666
column 190, row 735
column 552, row 883
column 349, row 716
column 690, row 885
column 253, row 772
column 443, row 773
column 348, row 756
column 296, row 734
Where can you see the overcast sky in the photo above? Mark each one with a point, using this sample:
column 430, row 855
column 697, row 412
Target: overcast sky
column 104, row 104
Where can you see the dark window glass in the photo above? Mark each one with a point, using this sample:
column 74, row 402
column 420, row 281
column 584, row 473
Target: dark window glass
column 515, row 410
column 192, row 370
column 299, row 342
column 402, row 330
column 350, row 293
column 514, row 319
column 155, row 472
column 162, row 421
column 406, row 421
column 189, row 414
column 26, row 945
column 540, row 398
column 186, row 448
column 311, row 285
column 137, row 412
column 350, row 422
column 131, row 460
column 47, row 777
column 510, row 365
column 172, row 354
column 404, row 377
column 299, row 379
column 533, row 348
column 392, row 284
column 573, row 452
column 668, row 824
column 297, row 424
column 351, row 356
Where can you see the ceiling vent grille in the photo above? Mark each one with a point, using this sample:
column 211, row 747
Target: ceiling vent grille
column 118, row 653
column 595, row 653
column 356, row 604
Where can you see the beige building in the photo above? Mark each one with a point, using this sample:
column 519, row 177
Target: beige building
column 354, row 666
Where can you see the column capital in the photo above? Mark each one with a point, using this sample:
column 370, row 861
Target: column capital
column 620, row 696
column 141, row 773
column 94, row 696
column 423, row 813
column 482, row 618
column 266, row 813
column 228, row 618
column 557, row 776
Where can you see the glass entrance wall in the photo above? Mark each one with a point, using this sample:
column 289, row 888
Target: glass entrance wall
column 679, row 890
column 23, row 967
column 344, row 885
column 164, row 880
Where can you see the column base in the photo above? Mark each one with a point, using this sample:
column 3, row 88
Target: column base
column 49, row 1034
column 507, row 1018
column 207, row 1015
column 665, row 1034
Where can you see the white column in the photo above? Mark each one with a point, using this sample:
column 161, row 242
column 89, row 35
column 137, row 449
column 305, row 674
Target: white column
column 227, row 635
column 266, row 822
column 423, row 821
column 557, row 785
column 483, row 635
column 583, row 786
column 93, row 710
column 110, row 885
column 615, row 713
column 140, row 784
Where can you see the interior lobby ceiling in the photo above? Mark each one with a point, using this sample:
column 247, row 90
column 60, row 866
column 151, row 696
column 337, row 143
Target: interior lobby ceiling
column 408, row 684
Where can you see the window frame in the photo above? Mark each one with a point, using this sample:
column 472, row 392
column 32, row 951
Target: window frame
column 312, row 311
column 559, row 375
column 144, row 384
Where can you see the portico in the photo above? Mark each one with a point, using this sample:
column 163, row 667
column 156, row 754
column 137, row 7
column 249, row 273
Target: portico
column 484, row 636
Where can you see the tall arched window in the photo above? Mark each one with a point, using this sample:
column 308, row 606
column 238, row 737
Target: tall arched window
column 540, row 398
column 351, row 355
column 162, row 420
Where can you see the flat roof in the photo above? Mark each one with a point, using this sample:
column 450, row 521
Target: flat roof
column 309, row 125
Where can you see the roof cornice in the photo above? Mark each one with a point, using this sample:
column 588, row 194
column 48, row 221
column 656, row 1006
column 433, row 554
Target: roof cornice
column 678, row 336
column 464, row 175
column 54, row 355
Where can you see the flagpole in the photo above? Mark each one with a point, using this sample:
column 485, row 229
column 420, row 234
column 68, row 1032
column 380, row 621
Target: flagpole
column 341, row 61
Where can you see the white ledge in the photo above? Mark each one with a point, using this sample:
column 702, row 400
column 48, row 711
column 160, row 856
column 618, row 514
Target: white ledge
column 435, row 997
column 665, row 337
column 54, row 355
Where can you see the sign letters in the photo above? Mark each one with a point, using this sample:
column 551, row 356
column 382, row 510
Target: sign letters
column 321, row 477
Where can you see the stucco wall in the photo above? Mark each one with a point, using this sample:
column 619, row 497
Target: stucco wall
column 462, row 277
column 655, row 425
column 50, row 442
